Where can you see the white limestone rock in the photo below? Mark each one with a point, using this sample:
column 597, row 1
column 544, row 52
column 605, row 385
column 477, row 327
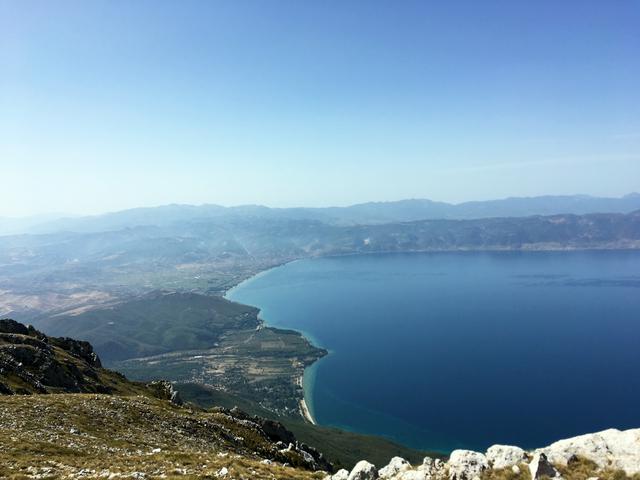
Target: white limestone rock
column 608, row 449
column 223, row 472
column 434, row 468
column 363, row 471
column 504, row 456
column 396, row 466
column 307, row 457
column 413, row 475
column 341, row 474
column 541, row 467
column 466, row 464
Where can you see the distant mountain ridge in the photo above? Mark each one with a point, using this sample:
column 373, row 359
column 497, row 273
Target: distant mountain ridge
column 359, row 214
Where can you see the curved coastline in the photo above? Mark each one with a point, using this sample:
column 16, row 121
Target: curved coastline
column 307, row 380
column 297, row 304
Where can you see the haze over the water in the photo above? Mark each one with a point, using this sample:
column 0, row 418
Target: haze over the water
column 112, row 105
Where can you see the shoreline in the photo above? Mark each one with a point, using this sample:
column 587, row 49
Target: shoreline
column 528, row 248
column 259, row 274
column 303, row 407
column 303, row 404
column 306, row 414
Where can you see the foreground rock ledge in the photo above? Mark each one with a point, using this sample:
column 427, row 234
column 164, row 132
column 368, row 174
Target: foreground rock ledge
column 613, row 451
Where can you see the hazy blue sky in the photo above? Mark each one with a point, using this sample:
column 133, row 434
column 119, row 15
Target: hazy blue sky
column 114, row 104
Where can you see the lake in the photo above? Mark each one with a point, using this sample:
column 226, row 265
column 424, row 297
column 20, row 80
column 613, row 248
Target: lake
column 463, row 350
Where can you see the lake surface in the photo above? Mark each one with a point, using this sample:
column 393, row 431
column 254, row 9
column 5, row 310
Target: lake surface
column 447, row 350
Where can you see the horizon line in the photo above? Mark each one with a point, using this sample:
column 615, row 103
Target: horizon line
column 68, row 215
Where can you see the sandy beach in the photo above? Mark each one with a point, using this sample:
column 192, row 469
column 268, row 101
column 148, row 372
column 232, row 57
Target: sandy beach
column 306, row 413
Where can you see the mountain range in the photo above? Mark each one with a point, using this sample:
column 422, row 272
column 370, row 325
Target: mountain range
column 365, row 213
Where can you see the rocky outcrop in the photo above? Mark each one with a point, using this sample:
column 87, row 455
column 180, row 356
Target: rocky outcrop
column 288, row 449
column 413, row 475
column 363, row 471
column 31, row 362
column 341, row 474
column 165, row 391
column 504, row 456
column 11, row 326
column 434, row 468
column 466, row 464
column 396, row 466
column 613, row 449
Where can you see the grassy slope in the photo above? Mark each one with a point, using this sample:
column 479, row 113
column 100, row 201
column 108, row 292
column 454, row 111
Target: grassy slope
column 154, row 324
column 195, row 338
column 341, row 448
column 105, row 436
column 60, row 435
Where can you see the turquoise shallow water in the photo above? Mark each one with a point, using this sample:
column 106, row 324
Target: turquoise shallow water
column 447, row 350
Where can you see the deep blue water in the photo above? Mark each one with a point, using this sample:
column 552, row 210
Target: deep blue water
column 447, row 350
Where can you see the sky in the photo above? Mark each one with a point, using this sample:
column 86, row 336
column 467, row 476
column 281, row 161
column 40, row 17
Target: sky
column 107, row 105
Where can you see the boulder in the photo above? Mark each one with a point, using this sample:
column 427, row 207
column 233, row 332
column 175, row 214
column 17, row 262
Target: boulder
column 164, row 390
column 414, row 475
column 363, row 471
column 274, row 430
column 396, row 465
column 541, row 467
column 307, row 457
column 341, row 474
column 504, row 456
column 432, row 467
column 466, row 464
column 619, row 450
column 77, row 348
column 223, row 472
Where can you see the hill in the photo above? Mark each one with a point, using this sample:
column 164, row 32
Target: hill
column 34, row 363
column 105, row 436
column 222, row 356
column 56, row 400
column 155, row 323
column 196, row 338
column 342, row 448
column 31, row 362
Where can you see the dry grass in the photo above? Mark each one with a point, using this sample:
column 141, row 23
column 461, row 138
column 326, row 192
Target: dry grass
column 577, row 469
column 101, row 436
column 507, row 474
column 582, row 469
